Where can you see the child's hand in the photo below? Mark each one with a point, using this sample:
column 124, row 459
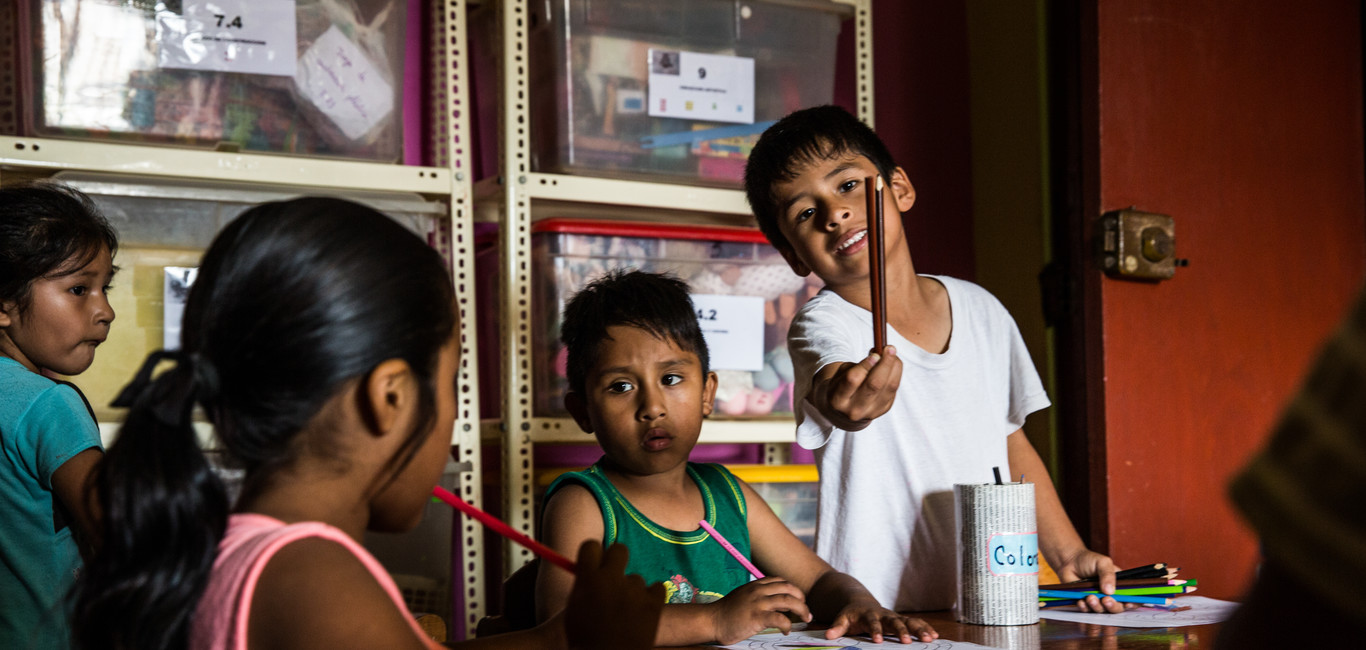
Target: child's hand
column 868, row 617
column 856, row 393
column 1088, row 564
column 607, row 608
column 758, row 605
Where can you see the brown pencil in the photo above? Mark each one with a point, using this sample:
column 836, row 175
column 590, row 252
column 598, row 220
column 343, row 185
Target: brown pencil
column 876, row 264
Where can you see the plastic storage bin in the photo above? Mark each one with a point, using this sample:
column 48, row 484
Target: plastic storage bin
column 740, row 284
column 790, row 490
column 169, row 224
column 600, row 67
column 324, row 79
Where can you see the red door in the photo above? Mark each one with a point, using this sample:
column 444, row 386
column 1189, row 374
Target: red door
column 1242, row 121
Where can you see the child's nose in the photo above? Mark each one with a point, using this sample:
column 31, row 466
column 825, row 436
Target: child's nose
column 651, row 405
column 104, row 312
column 834, row 216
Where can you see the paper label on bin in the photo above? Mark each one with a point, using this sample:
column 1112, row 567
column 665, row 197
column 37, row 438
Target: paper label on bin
column 179, row 279
column 228, row 36
column 695, row 86
column 1013, row 554
column 734, row 329
column 338, row 78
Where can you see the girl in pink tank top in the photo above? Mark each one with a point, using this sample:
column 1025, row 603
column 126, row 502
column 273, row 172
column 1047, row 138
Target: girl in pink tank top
column 319, row 340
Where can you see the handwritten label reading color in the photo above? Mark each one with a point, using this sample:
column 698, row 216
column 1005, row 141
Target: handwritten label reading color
column 1013, row 553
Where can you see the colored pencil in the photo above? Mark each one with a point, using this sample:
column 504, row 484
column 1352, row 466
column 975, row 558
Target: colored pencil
column 1143, row 591
column 1073, row 603
column 744, row 561
column 504, row 529
column 1146, row 600
column 877, row 266
column 1087, row 585
column 1141, row 570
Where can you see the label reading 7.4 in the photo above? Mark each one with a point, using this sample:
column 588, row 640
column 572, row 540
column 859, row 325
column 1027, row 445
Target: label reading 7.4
column 228, row 36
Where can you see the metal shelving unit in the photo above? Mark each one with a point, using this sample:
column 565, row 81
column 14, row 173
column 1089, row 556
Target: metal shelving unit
column 515, row 192
column 449, row 181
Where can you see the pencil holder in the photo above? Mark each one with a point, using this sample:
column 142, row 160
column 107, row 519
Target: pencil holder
column 998, row 554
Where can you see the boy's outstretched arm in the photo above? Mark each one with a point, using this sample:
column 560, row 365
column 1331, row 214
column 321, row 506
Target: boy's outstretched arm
column 572, row 516
column 1058, row 539
column 851, row 395
column 835, row 598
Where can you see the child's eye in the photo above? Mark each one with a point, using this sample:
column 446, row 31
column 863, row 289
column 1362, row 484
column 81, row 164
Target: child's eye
column 848, row 186
column 107, row 288
column 671, row 380
column 620, row 386
column 804, row 215
column 78, row 290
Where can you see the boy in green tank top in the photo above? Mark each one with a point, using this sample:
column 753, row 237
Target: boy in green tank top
column 639, row 381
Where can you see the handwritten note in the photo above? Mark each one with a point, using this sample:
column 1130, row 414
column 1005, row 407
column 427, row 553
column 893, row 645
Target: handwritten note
column 338, row 78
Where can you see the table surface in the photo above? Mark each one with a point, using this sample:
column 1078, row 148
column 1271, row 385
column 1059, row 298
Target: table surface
column 1066, row 635
column 1060, row 635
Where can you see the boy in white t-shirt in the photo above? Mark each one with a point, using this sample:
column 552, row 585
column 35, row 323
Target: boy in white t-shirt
column 943, row 403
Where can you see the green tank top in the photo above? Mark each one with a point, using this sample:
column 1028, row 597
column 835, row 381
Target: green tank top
column 692, row 566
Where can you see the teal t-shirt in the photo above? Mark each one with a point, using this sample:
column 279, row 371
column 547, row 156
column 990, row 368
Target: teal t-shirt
column 693, row 567
column 43, row 424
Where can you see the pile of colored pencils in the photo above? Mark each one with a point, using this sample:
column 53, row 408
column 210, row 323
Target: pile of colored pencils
column 1151, row 585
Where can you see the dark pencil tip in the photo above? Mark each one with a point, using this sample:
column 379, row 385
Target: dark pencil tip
column 997, row 472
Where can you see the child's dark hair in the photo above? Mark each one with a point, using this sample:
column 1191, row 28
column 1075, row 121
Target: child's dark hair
column 655, row 302
column 799, row 139
column 293, row 300
column 46, row 230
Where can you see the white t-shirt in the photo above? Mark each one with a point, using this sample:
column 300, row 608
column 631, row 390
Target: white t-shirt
column 886, row 493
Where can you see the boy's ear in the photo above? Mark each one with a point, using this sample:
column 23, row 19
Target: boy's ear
column 388, row 395
column 578, row 409
column 709, row 392
column 902, row 190
column 6, row 311
column 795, row 263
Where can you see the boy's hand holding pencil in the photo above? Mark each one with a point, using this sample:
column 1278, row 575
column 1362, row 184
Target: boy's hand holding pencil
column 851, row 394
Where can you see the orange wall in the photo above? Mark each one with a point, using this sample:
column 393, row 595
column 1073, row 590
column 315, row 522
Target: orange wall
column 1243, row 121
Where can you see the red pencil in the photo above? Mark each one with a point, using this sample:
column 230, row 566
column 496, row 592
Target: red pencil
column 877, row 266
column 503, row 529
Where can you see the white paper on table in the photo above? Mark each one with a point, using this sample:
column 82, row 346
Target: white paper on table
column 337, row 77
column 695, row 86
column 229, row 36
column 816, row 639
column 178, row 280
column 1203, row 611
column 733, row 327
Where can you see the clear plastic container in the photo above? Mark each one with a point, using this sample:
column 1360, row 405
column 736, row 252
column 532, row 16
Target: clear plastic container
column 591, row 77
column 169, row 224
column 722, row 265
column 795, row 505
column 329, row 85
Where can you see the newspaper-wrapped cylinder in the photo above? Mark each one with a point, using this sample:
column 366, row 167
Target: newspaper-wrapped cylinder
column 998, row 554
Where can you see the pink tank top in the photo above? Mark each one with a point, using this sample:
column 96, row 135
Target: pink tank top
column 220, row 621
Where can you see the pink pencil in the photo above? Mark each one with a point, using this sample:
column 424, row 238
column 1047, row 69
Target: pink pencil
column 744, row 561
column 503, row 529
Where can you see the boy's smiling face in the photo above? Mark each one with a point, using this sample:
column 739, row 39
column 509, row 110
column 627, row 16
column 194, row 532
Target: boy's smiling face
column 823, row 214
column 644, row 398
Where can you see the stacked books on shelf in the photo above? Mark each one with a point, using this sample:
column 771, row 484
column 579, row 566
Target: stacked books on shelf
column 1151, row 585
